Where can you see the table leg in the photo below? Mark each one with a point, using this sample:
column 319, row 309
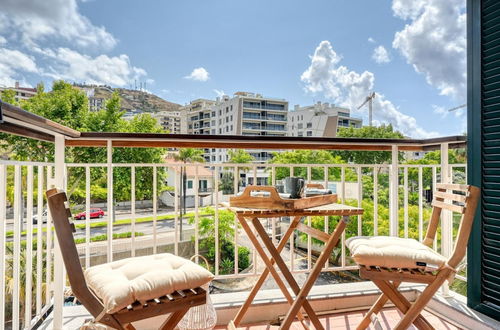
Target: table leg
column 268, row 263
column 311, row 279
column 288, row 276
column 239, row 316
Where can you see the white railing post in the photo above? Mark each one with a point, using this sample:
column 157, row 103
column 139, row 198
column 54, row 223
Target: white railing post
column 393, row 194
column 109, row 149
column 59, row 274
column 446, row 216
column 16, row 255
column 3, row 223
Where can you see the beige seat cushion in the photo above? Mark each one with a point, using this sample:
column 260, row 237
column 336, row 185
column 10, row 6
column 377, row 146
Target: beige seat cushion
column 393, row 252
column 120, row 283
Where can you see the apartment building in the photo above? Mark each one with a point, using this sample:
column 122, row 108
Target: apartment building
column 320, row 119
column 242, row 114
column 196, row 116
column 96, row 103
column 22, row 93
column 169, row 120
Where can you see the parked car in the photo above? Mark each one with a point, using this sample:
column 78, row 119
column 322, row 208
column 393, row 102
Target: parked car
column 94, row 213
column 44, row 217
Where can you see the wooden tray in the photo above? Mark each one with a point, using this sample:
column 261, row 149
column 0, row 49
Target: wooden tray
column 274, row 201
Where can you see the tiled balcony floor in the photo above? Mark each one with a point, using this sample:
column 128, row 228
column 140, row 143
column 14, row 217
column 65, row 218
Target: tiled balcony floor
column 388, row 319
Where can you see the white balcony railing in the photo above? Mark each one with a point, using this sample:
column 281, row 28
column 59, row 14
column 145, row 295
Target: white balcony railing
column 142, row 222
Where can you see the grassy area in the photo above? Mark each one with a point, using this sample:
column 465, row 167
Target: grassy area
column 104, row 237
column 122, row 222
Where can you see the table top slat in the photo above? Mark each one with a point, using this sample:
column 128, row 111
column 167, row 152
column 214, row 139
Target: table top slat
column 328, row 209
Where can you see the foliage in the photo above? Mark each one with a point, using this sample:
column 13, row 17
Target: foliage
column 68, row 105
column 226, row 184
column 10, row 281
column 240, row 156
column 190, row 155
column 9, row 96
column 367, row 132
column 368, row 223
column 226, row 230
column 104, row 237
column 307, row 157
column 433, row 158
column 65, row 105
column 110, row 120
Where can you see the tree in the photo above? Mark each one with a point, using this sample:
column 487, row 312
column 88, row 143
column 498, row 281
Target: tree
column 68, row 105
column 65, row 105
column 240, row 156
column 307, row 157
column 226, row 184
column 9, row 96
column 110, row 119
column 367, row 132
column 187, row 155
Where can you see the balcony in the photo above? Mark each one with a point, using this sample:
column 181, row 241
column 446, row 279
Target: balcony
column 269, row 117
column 264, row 106
column 393, row 195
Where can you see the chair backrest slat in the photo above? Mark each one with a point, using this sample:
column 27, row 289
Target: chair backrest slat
column 453, row 197
column 452, row 186
column 445, row 197
column 465, row 226
column 64, row 228
column 448, row 206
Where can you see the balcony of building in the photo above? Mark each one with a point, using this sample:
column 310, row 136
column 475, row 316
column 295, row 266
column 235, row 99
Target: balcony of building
column 395, row 196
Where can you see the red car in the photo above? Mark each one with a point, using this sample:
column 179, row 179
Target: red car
column 94, row 213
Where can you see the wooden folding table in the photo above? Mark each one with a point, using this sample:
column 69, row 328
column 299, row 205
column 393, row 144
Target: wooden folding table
column 247, row 215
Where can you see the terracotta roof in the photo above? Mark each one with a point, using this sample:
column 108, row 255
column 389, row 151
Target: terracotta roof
column 190, row 170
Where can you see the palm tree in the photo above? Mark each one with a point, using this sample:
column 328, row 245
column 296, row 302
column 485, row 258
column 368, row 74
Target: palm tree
column 187, row 155
column 240, row 156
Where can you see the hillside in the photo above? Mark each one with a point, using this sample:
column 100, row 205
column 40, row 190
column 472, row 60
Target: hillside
column 135, row 99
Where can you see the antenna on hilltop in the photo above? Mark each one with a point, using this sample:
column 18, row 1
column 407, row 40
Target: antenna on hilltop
column 369, row 100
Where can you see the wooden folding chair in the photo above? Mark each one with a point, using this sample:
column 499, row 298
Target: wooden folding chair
column 388, row 278
column 177, row 303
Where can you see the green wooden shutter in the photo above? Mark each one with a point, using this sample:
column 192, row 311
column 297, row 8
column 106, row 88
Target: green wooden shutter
column 491, row 152
column 484, row 153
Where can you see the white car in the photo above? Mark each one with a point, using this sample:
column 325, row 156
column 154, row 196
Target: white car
column 44, row 217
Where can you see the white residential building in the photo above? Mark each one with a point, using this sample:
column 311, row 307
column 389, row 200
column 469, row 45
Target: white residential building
column 205, row 186
column 169, row 120
column 320, row 119
column 196, row 116
column 243, row 114
column 22, row 93
column 130, row 114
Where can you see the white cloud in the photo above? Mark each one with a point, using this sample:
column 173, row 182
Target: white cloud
column 199, row 74
column 12, row 63
column 350, row 88
column 3, row 41
column 434, row 42
column 36, row 21
column 219, row 92
column 71, row 65
column 381, row 55
column 371, row 40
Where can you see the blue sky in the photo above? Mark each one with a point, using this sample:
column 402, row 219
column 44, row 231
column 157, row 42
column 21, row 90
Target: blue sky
column 303, row 51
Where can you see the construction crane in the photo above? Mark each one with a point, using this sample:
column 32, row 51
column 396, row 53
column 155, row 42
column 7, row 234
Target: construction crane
column 459, row 107
column 369, row 100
